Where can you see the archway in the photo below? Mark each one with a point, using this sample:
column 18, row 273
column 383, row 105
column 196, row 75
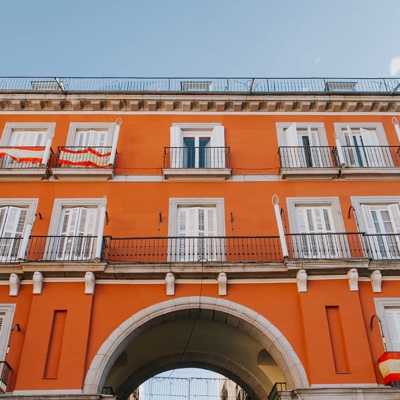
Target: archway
column 206, row 332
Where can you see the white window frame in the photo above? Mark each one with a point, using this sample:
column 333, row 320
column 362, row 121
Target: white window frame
column 173, row 230
column 293, row 156
column 75, row 127
column 381, row 305
column 371, row 201
column 341, row 130
column 319, row 126
column 31, row 205
column 326, row 243
column 8, row 310
column 11, row 127
column 215, row 131
column 56, row 217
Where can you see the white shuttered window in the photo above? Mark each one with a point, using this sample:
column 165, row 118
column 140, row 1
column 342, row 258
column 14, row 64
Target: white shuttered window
column 12, row 223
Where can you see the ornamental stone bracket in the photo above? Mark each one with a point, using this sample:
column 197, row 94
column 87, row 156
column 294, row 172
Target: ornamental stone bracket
column 197, row 103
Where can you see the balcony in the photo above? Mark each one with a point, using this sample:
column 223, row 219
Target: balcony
column 350, row 162
column 5, row 370
column 83, row 163
column 24, row 163
column 233, row 249
column 370, row 161
column 312, row 162
column 197, row 163
column 275, row 393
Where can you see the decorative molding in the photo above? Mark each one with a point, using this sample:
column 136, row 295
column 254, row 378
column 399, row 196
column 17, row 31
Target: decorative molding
column 376, row 281
column 353, row 279
column 170, row 284
column 37, row 282
column 14, row 284
column 302, row 281
column 90, row 282
column 222, row 284
column 39, row 102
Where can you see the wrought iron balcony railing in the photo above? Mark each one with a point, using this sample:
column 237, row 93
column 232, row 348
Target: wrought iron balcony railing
column 197, row 157
column 326, row 245
column 79, row 156
column 229, row 249
column 386, row 86
column 61, row 248
column 371, row 156
column 307, row 157
column 193, row 249
column 21, row 157
column 5, row 370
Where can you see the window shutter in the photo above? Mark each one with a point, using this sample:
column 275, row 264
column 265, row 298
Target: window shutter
column 315, row 150
column 366, row 210
column 369, row 137
column 3, row 211
column 291, row 136
column 14, row 222
column 28, row 138
column 218, row 137
column 394, row 214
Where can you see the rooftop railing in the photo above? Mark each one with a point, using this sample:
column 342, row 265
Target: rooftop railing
column 386, row 86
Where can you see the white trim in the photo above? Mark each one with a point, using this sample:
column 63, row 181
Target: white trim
column 74, row 127
column 8, row 310
column 332, row 202
column 282, row 126
column 46, row 392
column 175, row 203
column 381, row 304
column 358, row 201
column 11, row 127
column 341, row 127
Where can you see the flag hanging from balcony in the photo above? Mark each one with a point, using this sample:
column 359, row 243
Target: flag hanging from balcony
column 84, row 158
column 23, row 153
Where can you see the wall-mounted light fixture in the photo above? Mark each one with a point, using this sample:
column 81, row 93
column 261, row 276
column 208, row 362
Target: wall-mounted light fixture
column 39, row 214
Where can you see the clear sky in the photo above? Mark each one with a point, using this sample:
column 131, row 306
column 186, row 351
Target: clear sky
column 212, row 38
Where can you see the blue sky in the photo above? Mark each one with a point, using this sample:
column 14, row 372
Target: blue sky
column 232, row 38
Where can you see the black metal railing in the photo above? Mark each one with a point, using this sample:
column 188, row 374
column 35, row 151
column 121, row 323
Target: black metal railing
column 307, row 157
column 325, row 245
column 278, row 387
column 9, row 248
column 382, row 246
column 371, row 156
column 61, row 248
column 245, row 85
column 193, row 249
column 13, row 157
column 197, row 157
column 80, row 156
column 5, row 370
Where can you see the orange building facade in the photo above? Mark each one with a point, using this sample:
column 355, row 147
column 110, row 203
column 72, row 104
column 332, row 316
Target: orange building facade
column 246, row 226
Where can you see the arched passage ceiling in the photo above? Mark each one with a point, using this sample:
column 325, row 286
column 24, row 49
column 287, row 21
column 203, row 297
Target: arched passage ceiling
column 199, row 338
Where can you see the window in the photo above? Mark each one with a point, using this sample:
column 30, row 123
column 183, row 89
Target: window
column 15, row 216
column 193, row 224
column 76, row 229
column 303, row 145
column 6, row 318
column 89, row 145
column 380, row 219
column 25, row 144
column 197, row 146
column 388, row 311
column 363, row 145
column 314, row 225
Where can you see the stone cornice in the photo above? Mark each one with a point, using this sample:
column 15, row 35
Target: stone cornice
column 37, row 102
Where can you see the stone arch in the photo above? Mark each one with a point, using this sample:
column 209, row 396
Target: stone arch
column 245, row 319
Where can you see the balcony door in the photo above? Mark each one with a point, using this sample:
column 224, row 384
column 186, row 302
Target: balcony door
column 12, row 223
column 197, row 152
column 317, row 228
column 196, row 227
column 20, row 139
column 383, row 229
column 76, row 240
column 305, row 150
column 362, row 148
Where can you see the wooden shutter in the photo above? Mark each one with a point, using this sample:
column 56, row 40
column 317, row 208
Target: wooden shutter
column 373, row 150
column 369, row 223
column 28, row 138
column 316, row 149
column 12, row 224
column 394, row 214
column 294, row 152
